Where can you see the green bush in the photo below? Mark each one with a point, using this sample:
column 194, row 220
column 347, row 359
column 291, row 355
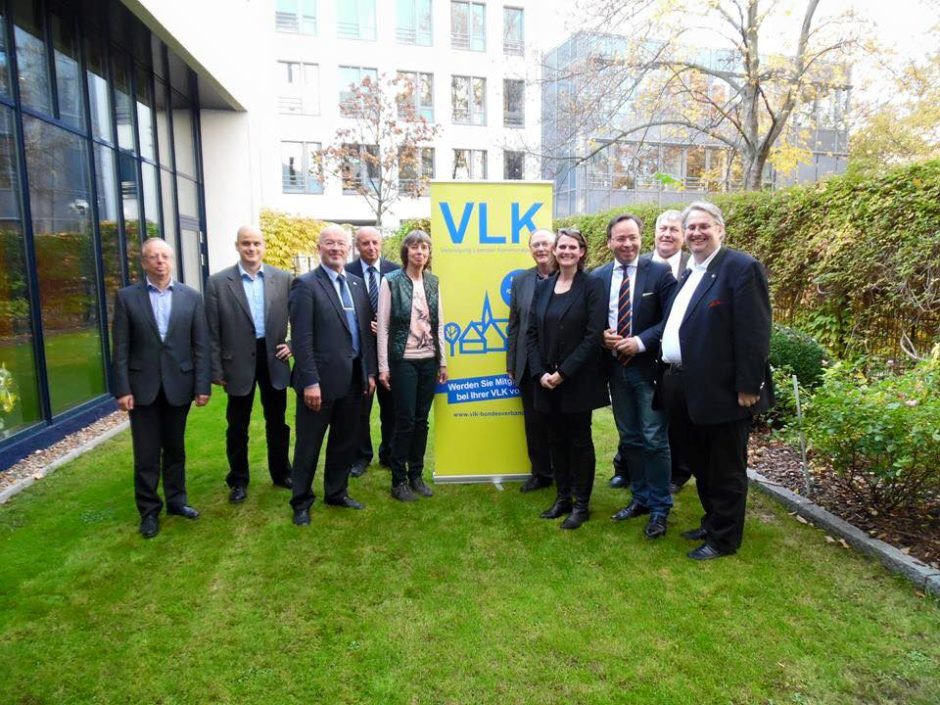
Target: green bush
column 799, row 352
column 391, row 245
column 880, row 438
column 782, row 415
column 287, row 235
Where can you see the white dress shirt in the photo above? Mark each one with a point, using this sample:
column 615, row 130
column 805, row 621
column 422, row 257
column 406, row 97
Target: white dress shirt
column 613, row 301
column 673, row 262
column 672, row 351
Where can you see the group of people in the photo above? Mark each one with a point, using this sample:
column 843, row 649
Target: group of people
column 676, row 342
column 355, row 328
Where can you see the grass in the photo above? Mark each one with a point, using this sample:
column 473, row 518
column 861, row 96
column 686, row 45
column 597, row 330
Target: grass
column 464, row 598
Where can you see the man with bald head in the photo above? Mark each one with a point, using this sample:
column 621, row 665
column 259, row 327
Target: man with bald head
column 520, row 301
column 246, row 307
column 160, row 365
column 372, row 268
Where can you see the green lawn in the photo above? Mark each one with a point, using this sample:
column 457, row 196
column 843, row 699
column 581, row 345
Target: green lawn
column 464, row 598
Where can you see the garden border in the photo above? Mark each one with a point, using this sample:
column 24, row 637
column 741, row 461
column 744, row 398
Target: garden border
column 922, row 575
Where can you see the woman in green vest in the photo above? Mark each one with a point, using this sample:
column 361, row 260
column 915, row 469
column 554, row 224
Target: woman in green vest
column 411, row 359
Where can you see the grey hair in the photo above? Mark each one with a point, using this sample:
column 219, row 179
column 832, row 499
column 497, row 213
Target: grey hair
column 706, row 207
column 668, row 215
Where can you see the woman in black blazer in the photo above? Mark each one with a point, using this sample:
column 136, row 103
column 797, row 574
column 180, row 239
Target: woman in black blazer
column 563, row 342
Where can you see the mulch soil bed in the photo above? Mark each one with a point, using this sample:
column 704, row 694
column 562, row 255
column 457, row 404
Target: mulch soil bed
column 913, row 531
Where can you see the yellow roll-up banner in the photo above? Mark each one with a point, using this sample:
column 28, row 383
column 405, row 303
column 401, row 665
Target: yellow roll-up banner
column 481, row 234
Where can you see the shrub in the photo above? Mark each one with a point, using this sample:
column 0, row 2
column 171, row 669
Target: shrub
column 782, row 415
column 880, row 438
column 287, row 235
column 799, row 352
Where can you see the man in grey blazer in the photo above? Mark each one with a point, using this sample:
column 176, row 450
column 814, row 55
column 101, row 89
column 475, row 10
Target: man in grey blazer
column 160, row 365
column 246, row 308
column 520, row 302
column 334, row 367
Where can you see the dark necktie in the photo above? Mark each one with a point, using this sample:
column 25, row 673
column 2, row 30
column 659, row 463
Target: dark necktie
column 373, row 290
column 624, row 306
column 350, row 312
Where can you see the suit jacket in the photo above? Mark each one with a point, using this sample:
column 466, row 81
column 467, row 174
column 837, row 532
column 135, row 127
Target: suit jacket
column 232, row 329
column 578, row 346
column 520, row 303
column 725, row 339
column 652, row 293
column 142, row 363
column 683, row 261
column 385, row 267
column 320, row 337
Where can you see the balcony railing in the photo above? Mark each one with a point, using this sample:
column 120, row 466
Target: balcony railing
column 290, row 105
column 515, row 47
column 286, row 22
column 514, row 119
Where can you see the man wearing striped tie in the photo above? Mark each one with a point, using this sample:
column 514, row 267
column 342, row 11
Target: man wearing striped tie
column 371, row 267
column 639, row 290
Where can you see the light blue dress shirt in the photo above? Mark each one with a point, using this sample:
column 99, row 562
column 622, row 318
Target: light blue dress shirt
column 254, row 292
column 162, row 304
column 345, row 297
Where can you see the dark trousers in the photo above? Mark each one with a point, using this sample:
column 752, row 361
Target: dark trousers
column 718, row 456
column 158, row 433
column 536, row 430
column 572, row 452
column 364, row 452
column 413, row 383
column 277, row 433
column 340, row 417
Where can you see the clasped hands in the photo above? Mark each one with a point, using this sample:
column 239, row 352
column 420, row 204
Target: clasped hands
column 624, row 348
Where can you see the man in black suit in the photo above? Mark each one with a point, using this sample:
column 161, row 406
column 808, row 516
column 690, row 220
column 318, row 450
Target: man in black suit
column 520, row 302
column 638, row 291
column 668, row 249
column 160, row 365
column 715, row 348
column 335, row 365
column 246, row 308
column 371, row 268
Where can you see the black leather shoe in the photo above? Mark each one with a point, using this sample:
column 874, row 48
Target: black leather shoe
column 656, row 528
column 358, row 469
column 634, row 509
column 403, row 493
column 698, row 534
column 619, row 482
column 185, row 511
column 345, row 501
column 535, row 482
column 149, row 526
column 287, row 483
column 302, row 517
column 558, row 509
column 418, row 487
column 706, row 552
column 237, row 495
column 674, row 488
column 578, row 516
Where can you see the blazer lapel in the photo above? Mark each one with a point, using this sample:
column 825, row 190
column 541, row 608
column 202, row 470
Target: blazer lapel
column 143, row 299
column 175, row 309
column 331, row 294
column 703, row 286
column 576, row 292
column 642, row 269
column 238, row 291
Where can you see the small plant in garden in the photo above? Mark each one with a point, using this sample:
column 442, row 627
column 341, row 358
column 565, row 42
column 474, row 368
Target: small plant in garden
column 799, row 352
column 8, row 397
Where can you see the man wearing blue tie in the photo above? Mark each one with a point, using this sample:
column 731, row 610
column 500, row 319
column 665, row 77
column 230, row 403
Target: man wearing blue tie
column 371, row 267
column 335, row 366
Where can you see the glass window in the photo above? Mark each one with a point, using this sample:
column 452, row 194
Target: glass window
column 469, row 164
column 188, row 192
column 17, row 362
column 184, row 146
column 350, row 82
column 299, row 16
column 169, row 205
column 108, row 219
column 468, row 100
column 513, row 165
column 162, row 119
column 413, row 19
column 123, row 105
column 355, row 19
column 300, row 167
column 130, row 207
column 99, row 98
column 33, row 68
column 151, row 189
column 468, row 25
column 416, row 95
column 300, row 88
column 4, row 64
column 191, row 255
column 513, row 37
column 513, row 103
column 360, row 170
column 68, row 72
column 60, row 201
column 144, row 95
column 415, row 170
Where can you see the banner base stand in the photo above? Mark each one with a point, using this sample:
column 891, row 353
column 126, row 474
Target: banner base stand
column 478, row 479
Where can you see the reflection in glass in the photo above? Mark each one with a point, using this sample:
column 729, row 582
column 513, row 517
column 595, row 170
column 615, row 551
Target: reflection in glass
column 31, row 56
column 169, row 206
column 68, row 72
column 130, row 205
column 4, row 64
column 17, row 365
column 151, row 199
column 191, row 258
column 163, row 125
column 145, row 114
column 60, row 202
column 189, row 198
column 123, row 106
column 183, row 135
column 99, row 99
column 108, row 219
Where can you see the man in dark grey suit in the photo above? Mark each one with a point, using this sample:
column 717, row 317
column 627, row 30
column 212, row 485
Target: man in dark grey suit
column 371, row 268
column 160, row 365
column 520, row 302
column 246, row 308
column 335, row 365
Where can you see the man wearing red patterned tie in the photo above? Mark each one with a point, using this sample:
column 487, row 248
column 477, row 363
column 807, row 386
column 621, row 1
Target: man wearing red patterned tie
column 638, row 291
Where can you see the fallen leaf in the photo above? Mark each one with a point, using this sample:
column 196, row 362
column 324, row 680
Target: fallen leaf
column 843, row 543
column 801, row 519
column 906, row 550
column 829, row 539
